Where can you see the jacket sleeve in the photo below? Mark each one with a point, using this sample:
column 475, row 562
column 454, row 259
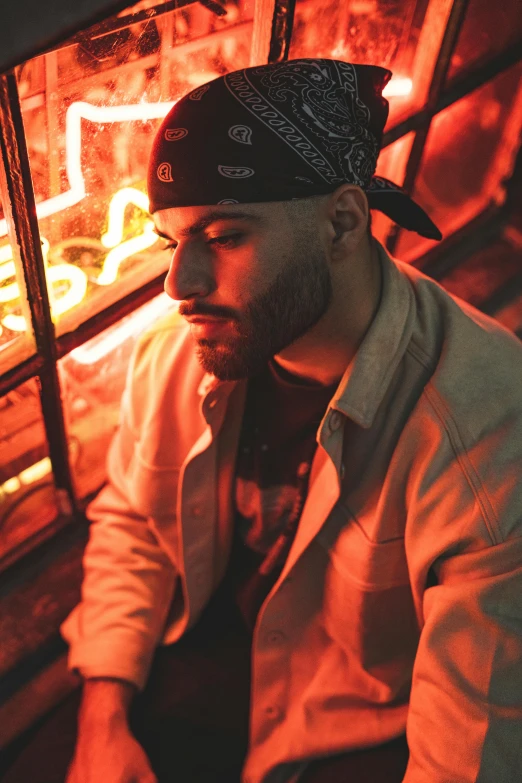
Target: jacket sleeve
column 465, row 716
column 129, row 580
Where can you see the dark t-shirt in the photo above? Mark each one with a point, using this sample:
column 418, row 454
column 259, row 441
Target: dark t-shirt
column 276, row 448
column 269, row 492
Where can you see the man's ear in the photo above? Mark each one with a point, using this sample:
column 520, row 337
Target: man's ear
column 348, row 215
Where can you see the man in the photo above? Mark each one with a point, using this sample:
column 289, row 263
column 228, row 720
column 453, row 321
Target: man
column 324, row 460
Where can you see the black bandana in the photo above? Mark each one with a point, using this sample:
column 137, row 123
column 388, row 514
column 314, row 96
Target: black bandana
column 279, row 132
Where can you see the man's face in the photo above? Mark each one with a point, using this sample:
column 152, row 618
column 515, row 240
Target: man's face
column 248, row 279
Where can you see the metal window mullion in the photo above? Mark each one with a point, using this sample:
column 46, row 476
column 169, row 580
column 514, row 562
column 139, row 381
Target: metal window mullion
column 438, row 79
column 272, row 31
column 24, row 236
column 109, row 316
column 282, row 26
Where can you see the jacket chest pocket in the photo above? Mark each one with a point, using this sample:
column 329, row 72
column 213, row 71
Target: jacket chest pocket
column 367, row 603
column 154, row 491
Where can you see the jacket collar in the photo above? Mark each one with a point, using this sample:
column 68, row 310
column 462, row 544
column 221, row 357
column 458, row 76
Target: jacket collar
column 369, row 374
column 366, row 380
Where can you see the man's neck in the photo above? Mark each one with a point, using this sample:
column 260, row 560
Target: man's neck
column 323, row 354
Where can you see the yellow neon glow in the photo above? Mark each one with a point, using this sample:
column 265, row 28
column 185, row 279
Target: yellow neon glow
column 119, row 253
column 75, row 276
column 8, row 292
column 16, row 323
column 28, row 476
column 77, row 279
column 6, row 254
column 398, row 87
column 35, row 472
column 11, row 485
column 72, row 274
column 116, row 220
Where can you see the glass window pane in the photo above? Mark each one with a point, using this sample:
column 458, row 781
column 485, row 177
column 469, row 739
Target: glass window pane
column 392, row 165
column 488, row 29
column 90, row 110
column 404, row 37
column 470, row 151
column 93, row 379
column 27, row 491
column 16, row 332
column 478, row 277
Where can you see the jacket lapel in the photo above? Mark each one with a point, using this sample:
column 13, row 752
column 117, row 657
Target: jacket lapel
column 323, row 494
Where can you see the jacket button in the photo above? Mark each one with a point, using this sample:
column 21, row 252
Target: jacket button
column 336, row 420
column 272, row 712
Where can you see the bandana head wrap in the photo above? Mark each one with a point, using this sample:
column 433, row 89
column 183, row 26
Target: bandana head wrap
column 278, row 132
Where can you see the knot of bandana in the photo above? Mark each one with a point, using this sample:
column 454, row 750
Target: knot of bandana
column 278, row 132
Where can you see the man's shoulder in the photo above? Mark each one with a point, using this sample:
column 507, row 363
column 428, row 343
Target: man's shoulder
column 473, row 357
column 469, row 416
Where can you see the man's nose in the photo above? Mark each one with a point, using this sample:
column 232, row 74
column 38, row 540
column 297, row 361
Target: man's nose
column 189, row 276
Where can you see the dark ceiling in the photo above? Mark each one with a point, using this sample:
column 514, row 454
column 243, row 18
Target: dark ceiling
column 28, row 27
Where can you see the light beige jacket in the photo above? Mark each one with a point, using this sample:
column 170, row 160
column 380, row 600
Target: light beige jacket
column 400, row 605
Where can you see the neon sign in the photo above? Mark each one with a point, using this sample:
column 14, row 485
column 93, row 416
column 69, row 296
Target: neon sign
column 73, row 275
column 119, row 250
column 73, row 146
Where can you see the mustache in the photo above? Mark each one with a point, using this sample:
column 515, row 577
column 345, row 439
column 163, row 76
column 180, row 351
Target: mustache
column 189, row 309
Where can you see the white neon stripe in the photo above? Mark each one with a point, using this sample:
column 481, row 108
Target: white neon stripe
column 73, row 146
column 98, row 348
column 398, row 87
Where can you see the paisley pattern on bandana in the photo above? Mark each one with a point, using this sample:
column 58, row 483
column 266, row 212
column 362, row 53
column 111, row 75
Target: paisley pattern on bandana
column 319, row 104
column 279, row 132
column 175, row 134
column 241, row 133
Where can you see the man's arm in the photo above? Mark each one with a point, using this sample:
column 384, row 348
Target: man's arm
column 106, row 748
column 465, row 715
column 127, row 590
column 129, row 579
column 106, row 697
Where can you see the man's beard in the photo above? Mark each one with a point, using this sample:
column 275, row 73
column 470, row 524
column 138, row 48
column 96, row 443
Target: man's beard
column 295, row 301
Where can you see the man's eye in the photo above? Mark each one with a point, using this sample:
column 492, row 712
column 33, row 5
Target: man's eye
column 170, row 245
column 226, row 241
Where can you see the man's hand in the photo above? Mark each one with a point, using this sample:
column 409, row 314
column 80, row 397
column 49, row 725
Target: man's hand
column 111, row 756
column 106, row 749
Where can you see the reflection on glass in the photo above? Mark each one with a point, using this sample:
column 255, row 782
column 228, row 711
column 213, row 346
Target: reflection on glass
column 16, row 334
column 27, row 492
column 90, row 111
column 469, row 153
column 403, row 37
column 93, row 379
column 391, row 164
column 488, row 29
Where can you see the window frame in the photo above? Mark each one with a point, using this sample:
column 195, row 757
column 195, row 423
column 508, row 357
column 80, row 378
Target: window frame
column 272, row 32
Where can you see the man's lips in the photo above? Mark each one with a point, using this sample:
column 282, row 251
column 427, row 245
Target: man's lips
column 204, row 319
column 204, row 326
